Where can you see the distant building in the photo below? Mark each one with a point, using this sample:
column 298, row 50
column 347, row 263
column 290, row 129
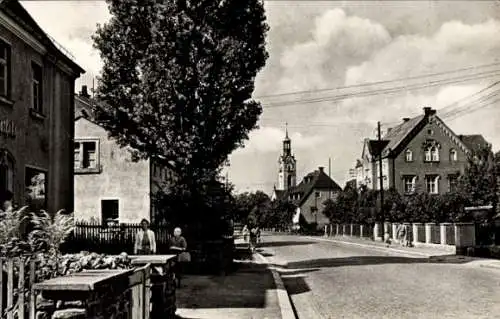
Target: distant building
column 421, row 153
column 36, row 113
column 108, row 184
column 310, row 194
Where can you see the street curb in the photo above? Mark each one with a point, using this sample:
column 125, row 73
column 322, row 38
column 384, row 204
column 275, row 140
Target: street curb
column 283, row 297
column 389, row 250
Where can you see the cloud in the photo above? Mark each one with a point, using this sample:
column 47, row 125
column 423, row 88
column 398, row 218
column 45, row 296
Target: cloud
column 454, row 45
column 337, row 40
column 72, row 23
column 269, row 139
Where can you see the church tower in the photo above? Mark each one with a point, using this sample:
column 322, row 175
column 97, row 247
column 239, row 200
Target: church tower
column 287, row 176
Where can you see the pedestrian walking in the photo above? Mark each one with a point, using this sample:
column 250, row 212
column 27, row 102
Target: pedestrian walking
column 179, row 244
column 387, row 239
column 253, row 239
column 258, row 233
column 145, row 241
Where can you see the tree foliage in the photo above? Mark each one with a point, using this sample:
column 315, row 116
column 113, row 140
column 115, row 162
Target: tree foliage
column 344, row 207
column 257, row 209
column 177, row 81
column 479, row 185
column 251, row 207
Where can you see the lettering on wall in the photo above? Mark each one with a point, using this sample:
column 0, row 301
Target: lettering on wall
column 7, row 128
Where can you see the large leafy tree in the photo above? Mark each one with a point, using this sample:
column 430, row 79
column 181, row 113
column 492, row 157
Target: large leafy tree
column 478, row 185
column 177, row 81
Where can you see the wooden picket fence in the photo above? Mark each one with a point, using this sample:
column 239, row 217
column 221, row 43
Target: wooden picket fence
column 96, row 237
column 10, row 304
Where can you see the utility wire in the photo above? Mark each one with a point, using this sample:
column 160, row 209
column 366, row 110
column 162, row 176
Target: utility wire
column 451, row 108
column 376, row 92
column 380, row 82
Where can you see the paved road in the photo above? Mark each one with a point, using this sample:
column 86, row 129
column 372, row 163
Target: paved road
column 328, row 280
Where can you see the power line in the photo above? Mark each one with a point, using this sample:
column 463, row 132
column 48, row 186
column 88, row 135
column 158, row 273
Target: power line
column 451, row 111
column 380, row 82
column 472, row 110
column 456, row 80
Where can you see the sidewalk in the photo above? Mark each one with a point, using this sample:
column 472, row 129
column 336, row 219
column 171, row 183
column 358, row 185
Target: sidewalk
column 247, row 293
column 425, row 252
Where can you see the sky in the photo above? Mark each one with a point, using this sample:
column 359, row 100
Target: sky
column 320, row 45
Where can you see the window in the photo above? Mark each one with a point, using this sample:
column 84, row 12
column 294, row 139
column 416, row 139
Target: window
column 318, row 194
column 109, row 210
column 36, row 185
column 4, row 69
column 409, row 184
column 6, row 172
column 452, row 182
column 431, row 154
column 432, row 184
column 409, row 156
column 453, row 155
column 36, row 72
column 86, row 156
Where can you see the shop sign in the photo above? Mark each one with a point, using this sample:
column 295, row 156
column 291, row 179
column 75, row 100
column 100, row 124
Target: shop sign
column 7, row 128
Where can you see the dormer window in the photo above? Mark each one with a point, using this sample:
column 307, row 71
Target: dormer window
column 409, row 156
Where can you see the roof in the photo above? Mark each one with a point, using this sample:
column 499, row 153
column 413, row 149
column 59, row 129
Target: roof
column 394, row 140
column 83, row 106
column 397, row 134
column 316, row 180
column 474, row 142
column 16, row 11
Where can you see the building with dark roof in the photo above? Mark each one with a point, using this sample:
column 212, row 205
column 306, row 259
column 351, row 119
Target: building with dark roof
column 310, row 194
column 37, row 81
column 421, row 153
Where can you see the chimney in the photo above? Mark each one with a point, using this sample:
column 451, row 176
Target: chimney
column 406, row 119
column 321, row 169
column 429, row 111
column 84, row 92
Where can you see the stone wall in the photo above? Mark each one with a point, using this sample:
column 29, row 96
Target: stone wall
column 103, row 305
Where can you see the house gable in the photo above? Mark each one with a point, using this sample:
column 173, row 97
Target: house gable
column 431, row 122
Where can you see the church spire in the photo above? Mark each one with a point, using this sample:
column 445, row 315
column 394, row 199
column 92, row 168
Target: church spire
column 287, row 169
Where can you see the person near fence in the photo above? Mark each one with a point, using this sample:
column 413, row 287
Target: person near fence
column 145, row 241
column 179, row 244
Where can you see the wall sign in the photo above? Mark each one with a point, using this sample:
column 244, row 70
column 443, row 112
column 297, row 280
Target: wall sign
column 7, row 128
